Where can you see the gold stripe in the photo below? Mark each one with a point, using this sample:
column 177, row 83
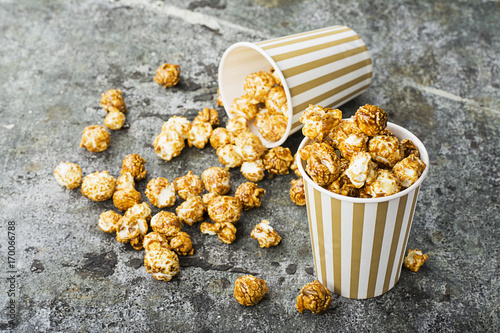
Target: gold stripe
column 408, row 227
column 322, row 62
column 295, row 125
column 303, row 39
column 336, row 206
column 378, row 237
column 319, row 226
column 395, row 240
column 357, row 237
column 306, row 50
column 322, row 97
column 328, row 77
column 297, row 35
column 308, row 204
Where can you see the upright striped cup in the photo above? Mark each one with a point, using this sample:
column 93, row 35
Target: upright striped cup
column 328, row 67
column 359, row 244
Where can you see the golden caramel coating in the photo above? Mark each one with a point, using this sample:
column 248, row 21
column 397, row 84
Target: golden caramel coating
column 344, row 164
column 182, row 244
column 224, row 209
column 353, row 144
column 162, row 263
column 227, row 233
column 230, row 156
column 276, row 77
column 273, row 127
column 265, row 234
column 277, row 161
column 129, row 228
column 134, row 164
column 253, row 171
column 250, row 146
column 98, row 186
column 408, row 148
column 314, row 297
column 262, row 116
column 178, row 124
column 188, row 185
column 243, row 107
column 323, row 165
column 68, row 175
column 237, row 125
column 408, row 170
column 191, row 211
column 297, row 192
column 216, row 180
column 114, row 120
column 208, row 197
column 360, row 168
column 124, row 181
column 257, row 85
column 199, row 134
column 318, row 122
column 166, row 223
column 249, row 290
column 137, row 243
column 385, row 150
column 294, row 167
column 210, row 228
column 221, row 137
column 207, row 116
column 141, row 211
column 155, row 241
column 168, row 75
column 385, row 184
column 161, row 193
column 276, row 101
column 343, row 186
column 126, row 198
column 219, row 99
column 250, row 195
column 371, row 119
column 414, row 260
column 95, row 138
column 112, row 100
column 108, row 221
column 168, row 145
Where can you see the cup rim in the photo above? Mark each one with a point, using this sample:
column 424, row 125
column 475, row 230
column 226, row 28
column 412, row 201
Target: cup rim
column 401, row 133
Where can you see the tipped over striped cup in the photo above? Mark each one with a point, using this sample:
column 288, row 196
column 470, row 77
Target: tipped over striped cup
column 359, row 244
column 328, row 67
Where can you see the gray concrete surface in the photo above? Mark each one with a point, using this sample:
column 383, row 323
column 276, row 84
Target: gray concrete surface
column 436, row 72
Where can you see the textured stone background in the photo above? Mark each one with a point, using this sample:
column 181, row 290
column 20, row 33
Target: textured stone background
column 436, row 72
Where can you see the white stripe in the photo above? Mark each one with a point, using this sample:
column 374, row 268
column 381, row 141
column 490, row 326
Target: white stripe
column 327, row 239
column 366, row 248
column 298, row 36
column 346, row 246
column 314, row 231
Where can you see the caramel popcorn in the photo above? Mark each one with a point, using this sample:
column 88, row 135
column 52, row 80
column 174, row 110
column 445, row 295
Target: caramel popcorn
column 155, row 241
column 98, row 186
column 199, row 134
column 353, row 144
column 141, row 211
column 385, row 149
column 207, row 115
column 227, row 233
column 253, row 171
column 219, row 99
column 178, row 124
column 250, row 146
column 229, row 155
column 126, row 198
column 318, row 122
column 134, row 164
column 161, row 193
column 314, row 297
column 277, row 161
column 360, row 168
column 385, row 184
column 114, row 119
column 297, row 192
column 112, row 100
column 168, row 75
column 344, row 186
column 276, row 101
column 371, row 119
column 221, row 137
column 250, row 195
column 409, row 170
column 210, row 228
column 237, row 125
column 294, row 167
column 130, row 227
column 95, row 138
column 68, row 175
column 124, row 181
column 208, row 197
column 162, row 263
column 257, row 85
column 265, row 234
column 323, row 165
column 243, row 107
column 414, row 260
column 262, row 116
column 408, row 148
column 216, row 180
column 224, row 209
column 108, row 221
column 182, row 244
column 273, row 127
column 249, row 290
column 188, row 185
column 166, row 223
column 191, row 210
column 168, row 145
column 276, row 77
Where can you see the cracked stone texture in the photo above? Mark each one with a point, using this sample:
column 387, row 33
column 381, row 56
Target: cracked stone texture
column 436, row 72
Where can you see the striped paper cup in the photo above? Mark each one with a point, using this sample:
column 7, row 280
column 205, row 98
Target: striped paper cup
column 359, row 244
column 328, row 67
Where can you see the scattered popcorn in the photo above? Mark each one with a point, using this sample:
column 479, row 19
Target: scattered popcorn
column 257, row 85
column 188, row 185
column 98, row 186
column 243, row 107
column 95, row 138
column 385, row 149
column 371, row 119
column 166, row 223
column 208, row 197
column 408, row 148
column 68, row 175
column 314, row 297
column 253, row 171
column 108, row 221
column 225, row 231
column 168, row 75
column 277, row 161
column 229, row 155
column 141, row 211
column 207, row 116
column 210, row 228
column 178, row 124
column 250, row 195
column 221, row 137
column 318, row 122
column 162, row 263
column 409, row 170
column 155, row 241
column 182, row 244
column 385, row 184
column 199, row 134
column 237, row 125
column 276, row 101
column 161, row 193
column 274, row 127
column 249, row 290
column 112, row 100
column 224, row 209
column 297, row 192
column 265, row 234
column 250, row 146
column 168, row 145
column 216, row 180
column 130, row 227
column 191, row 211
column 126, row 198
column 124, row 181
column 114, row 119
column 414, row 260
column 360, row 168
column 134, row 164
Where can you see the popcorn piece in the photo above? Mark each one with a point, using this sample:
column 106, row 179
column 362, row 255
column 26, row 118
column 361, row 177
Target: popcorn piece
column 385, row 149
column 318, row 122
column 353, row 144
column 126, row 198
column 250, row 195
column 210, row 228
column 360, row 168
column 166, row 223
column 208, row 197
column 216, row 180
column 95, row 138
column 199, row 134
column 408, row 148
column 221, row 137
column 277, row 161
column 249, row 290
column 243, row 107
column 161, row 193
column 98, row 186
column 224, row 209
column 253, row 171
column 320, row 148
column 114, row 120
column 178, row 124
column 344, row 186
column 265, row 234
column 344, row 164
column 371, row 119
column 168, row 75
column 112, row 100
column 237, row 125
column 162, row 263
column 207, row 116
column 229, row 155
column 414, row 260
column 409, row 170
column 182, row 244
column 141, row 211
column 314, row 297
column 68, row 175
column 219, row 99
column 191, row 210
column 130, row 227
column 134, row 164
column 257, row 85
column 188, row 185
column 225, row 231
column 297, row 192
column 385, row 184
column 168, row 145
column 124, row 181
column 262, row 116
column 108, row 221
column 274, row 127
column 155, row 241
column 323, row 165
column 276, row 101
column 250, row 146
